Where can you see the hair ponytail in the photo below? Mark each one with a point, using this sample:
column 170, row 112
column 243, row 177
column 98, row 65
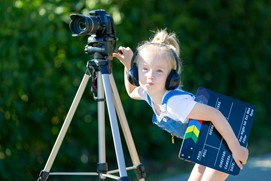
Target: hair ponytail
column 169, row 39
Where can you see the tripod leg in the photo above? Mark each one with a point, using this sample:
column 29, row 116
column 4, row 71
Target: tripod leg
column 126, row 131
column 114, row 127
column 102, row 165
column 45, row 173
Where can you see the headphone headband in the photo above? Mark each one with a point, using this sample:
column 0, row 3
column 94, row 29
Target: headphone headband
column 158, row 44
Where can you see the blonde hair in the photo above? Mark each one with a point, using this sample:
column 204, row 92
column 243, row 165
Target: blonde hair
column 169, row 39
column 166, row 45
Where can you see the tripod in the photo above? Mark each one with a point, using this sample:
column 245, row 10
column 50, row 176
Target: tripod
column 105, row 86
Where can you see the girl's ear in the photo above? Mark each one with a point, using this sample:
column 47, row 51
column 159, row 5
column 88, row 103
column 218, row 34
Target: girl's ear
column 133, row 72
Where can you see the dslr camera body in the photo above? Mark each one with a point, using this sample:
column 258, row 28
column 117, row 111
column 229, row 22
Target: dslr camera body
column 99, row 26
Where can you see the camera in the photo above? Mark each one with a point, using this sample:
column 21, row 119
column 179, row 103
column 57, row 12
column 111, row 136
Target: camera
column 98, row 22
column 100, row 28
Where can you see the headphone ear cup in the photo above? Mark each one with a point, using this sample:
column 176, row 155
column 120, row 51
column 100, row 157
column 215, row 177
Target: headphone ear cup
column 133, row 75
column 173, row 80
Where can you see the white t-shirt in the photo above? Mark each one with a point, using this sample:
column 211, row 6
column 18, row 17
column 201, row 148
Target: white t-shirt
column 178, row 106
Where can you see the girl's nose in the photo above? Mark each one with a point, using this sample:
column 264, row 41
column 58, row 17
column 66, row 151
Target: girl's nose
column 150, row 74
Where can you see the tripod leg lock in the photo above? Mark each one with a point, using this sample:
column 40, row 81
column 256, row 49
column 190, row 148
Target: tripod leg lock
column 102, row 167
column 124, row 179
column 140, row 171
column 43, row 176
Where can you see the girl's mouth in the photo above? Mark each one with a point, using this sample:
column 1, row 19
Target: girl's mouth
column 150, row 83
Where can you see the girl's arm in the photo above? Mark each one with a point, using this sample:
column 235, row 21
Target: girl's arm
column 208, row 113
column 125, row 55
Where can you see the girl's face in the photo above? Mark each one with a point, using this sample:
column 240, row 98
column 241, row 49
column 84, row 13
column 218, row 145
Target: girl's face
column 153, row 71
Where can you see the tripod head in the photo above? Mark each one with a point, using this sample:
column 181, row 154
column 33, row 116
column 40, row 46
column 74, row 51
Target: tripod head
column 102, row 40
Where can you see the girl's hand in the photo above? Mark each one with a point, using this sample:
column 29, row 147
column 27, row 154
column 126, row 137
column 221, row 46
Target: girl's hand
column 124, row 55
column 240, row 156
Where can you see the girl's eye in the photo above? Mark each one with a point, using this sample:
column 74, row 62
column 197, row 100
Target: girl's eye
column 145, row 69
column 159, row 70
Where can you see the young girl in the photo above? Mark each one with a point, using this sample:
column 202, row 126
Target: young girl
column 153, row 73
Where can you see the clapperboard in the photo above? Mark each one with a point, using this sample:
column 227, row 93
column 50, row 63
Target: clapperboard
column 202, row 143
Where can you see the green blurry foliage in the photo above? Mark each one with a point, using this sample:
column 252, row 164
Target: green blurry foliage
column 225, row 47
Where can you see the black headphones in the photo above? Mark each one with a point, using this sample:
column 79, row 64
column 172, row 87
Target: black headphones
column 173, row 79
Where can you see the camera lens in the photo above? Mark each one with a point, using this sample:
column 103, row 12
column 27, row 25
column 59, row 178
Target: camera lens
column 78, row 25
column 82, row 25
